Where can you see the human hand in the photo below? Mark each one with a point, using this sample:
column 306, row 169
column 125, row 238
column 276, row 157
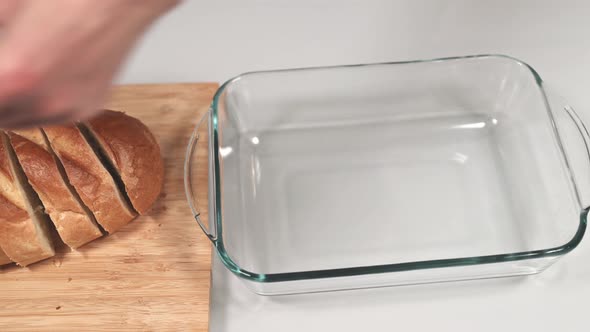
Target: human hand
column 58, row 58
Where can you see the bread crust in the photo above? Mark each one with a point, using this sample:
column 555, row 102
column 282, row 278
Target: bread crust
column 89, row 177
column 4, row 259
column 134, row 152
column 103, row 173
column 74, row 225
column 20, row 239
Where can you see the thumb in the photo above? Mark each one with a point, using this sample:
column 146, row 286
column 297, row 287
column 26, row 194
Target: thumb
column 8, row 10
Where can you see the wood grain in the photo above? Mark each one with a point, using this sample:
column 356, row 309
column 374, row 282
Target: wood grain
column 154, row 274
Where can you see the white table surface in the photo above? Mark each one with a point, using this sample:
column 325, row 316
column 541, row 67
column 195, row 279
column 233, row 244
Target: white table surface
column 215, row 40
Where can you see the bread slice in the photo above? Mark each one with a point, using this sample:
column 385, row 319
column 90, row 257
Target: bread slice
column 34, row 135
column 4, row 259
column 25, row 235
column 133, row 152
column 74, row 223
column 90, row 178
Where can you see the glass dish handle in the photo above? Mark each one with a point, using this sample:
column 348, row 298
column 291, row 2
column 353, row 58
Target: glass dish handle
column 197, row 171
column 574, row 139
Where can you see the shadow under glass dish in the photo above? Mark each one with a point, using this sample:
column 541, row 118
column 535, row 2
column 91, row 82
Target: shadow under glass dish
column 385, row 174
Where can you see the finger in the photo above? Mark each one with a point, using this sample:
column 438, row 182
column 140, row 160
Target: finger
column 30, row 111
column 27, row 123
column 9, row 9
column 17, row 110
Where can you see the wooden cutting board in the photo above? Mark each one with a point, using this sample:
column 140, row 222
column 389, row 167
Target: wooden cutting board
column 154, row 274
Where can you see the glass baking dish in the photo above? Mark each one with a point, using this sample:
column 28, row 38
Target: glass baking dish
column 386, row 174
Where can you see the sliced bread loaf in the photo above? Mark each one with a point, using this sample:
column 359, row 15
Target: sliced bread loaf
column 4, row 259
column 25, row 234
column 74, row 223
column 133, row 152
column 90, row 178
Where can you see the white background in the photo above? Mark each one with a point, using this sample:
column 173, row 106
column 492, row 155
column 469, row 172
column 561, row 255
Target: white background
column 215, row 40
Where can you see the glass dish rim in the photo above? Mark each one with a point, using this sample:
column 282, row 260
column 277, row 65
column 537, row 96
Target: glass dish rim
column 217, row 239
